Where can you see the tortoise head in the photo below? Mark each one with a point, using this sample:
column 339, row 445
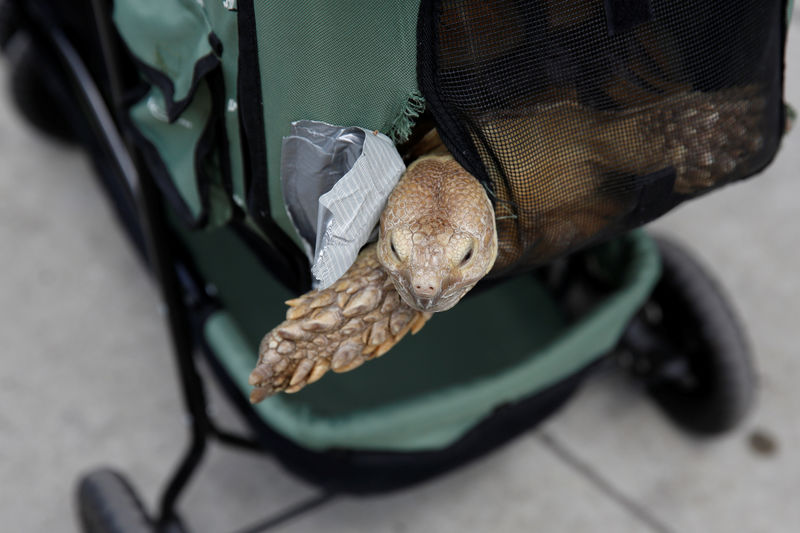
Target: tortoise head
column 437, row 234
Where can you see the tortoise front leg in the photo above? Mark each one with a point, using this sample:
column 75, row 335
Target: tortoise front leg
column 358, row 318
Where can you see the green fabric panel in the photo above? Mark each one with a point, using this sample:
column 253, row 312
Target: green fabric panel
column 168, row 36
column 435, row 386
column 176, row 142
column 172, row 37
column 348, row 63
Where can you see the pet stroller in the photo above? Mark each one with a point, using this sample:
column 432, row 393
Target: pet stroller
column 183, row 107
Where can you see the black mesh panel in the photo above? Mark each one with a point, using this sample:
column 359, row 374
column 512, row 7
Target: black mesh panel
column 585, row 118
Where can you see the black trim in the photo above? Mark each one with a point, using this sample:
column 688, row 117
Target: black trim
column 251, row 113
column 623, row 16
column 451, row 129
column 215, row 43
column 175, row 108
column 219, row 99
column 295, row 272
column 214, row 136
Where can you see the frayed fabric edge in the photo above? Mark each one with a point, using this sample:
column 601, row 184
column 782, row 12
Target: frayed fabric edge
column 401, row 127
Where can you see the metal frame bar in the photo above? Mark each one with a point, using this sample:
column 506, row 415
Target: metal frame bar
column 161, row 248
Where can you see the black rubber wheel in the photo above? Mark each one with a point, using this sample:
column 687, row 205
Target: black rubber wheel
column 38, row 87
column 689, row 348
column 108, row 504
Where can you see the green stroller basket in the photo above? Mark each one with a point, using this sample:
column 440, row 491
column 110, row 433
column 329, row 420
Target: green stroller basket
column 490, row 77
column 435, row 387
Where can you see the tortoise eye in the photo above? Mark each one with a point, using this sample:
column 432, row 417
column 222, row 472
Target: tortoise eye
column 399, row 244
column 467, row 257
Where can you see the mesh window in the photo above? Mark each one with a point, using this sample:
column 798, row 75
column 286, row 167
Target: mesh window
column 586, row 117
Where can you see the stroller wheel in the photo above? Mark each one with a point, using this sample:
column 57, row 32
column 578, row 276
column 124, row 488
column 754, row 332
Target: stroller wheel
column 689, row 349
column 38, row 87
column 108, row 504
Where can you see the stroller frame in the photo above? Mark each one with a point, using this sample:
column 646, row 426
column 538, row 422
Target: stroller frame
column 188, row 301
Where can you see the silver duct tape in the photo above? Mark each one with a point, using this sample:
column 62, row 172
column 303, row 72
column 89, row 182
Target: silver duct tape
column 336, row 182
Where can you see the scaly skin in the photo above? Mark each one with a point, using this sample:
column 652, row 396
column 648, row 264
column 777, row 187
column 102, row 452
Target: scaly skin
column 437, row 240
column 438, row 235
column 358, row 318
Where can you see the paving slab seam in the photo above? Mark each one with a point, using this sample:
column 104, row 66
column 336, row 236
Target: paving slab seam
column 635, row 508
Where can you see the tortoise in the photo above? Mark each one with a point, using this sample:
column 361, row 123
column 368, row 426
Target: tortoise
column 439, row 232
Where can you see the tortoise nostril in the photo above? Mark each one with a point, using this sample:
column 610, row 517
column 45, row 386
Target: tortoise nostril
column 424, row 290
